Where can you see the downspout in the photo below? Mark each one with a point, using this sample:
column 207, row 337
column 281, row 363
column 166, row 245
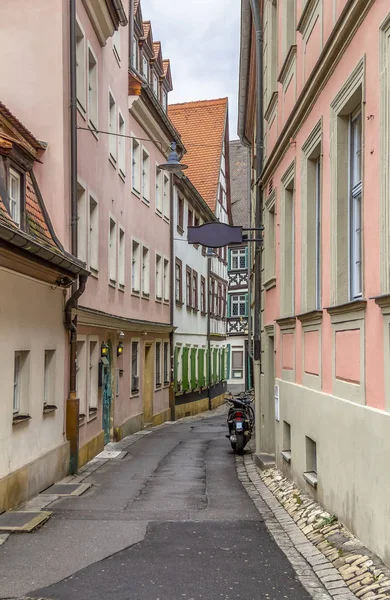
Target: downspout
column 250, row 353
column 73, row 128
column 172, row 296
column 209, row 258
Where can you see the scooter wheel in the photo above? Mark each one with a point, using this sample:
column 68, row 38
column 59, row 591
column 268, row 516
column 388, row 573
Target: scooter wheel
column 233, row 445
column 240, row 444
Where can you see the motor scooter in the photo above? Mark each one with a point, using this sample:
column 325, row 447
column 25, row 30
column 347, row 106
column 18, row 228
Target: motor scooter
column 241, row 421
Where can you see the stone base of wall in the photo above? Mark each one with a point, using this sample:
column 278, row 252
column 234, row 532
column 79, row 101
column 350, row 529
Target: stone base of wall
column 191, row 408
column 91, row 449
column 161, row 417
column 129, row 427
column 218, row 401
column 28, row 481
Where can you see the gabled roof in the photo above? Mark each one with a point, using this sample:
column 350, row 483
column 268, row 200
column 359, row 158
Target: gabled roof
column 202, row 126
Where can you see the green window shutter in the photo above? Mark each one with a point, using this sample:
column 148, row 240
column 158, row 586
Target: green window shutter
column 176, row 367
column 193, row 368
column 229, row 252
column 215, row 369
column 228, row 305
column 201, row 380
column 186, row 383
column 207, row 367
column 228, row 362
column 246, row 257
column 246, row 305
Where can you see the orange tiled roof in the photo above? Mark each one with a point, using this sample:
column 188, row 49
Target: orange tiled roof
column 36, row 222
column 147, row 25
column 156, row 48
column 136, row 3
column 166, row 66
column 201, row 125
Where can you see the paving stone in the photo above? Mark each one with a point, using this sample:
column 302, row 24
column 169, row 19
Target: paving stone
column 332, row 585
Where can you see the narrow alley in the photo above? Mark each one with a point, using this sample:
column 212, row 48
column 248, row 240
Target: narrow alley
column 170, row 520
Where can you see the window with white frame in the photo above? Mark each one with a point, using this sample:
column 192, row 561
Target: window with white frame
column 134, row 54
column 166, row 197
column 159, row 191
column 136, row 267
column 159, row 277
column 49, row 388
column 155, row 85
column 238, row 305
column 318, row 232
column 237, row 364
column 112, row 126
column 93, row 237
column 112, row 252
column 238, row 259
column 145, row 67
column 21, row 383
column 145, row 271
column 92, row 89
column 135, row 174
column 93, row 383
column 178, row 281
column 164, row 100
column 121, row 258
column 82, row 236
column 121, row 144
column 194, row 295
column 15, row 195
column 81, row 84
column 145, row 175
column 81, row 375
column 166, row 363
column 166, row 282
column 134, row 367
column 116, row 44
column 355, row 205
column 158, row 364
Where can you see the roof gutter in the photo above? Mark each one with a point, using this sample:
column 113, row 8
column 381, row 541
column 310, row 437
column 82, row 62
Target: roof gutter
column 120, row 11
column 246, row 20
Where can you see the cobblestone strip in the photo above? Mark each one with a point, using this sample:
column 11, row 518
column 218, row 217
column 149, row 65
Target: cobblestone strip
column 345, row 567
column 3, row 538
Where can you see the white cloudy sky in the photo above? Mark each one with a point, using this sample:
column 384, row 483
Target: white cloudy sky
column 201, row 38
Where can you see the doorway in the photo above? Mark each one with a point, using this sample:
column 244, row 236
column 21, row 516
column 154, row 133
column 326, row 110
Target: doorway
column 268, row 407
column 148, row 384
column 107, row 397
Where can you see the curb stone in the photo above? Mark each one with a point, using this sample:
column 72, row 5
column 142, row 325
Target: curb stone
column 345, row 567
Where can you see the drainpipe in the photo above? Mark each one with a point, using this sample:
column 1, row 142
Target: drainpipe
column 250, row 353
column 172, row 296
column 209, row 258
column 73, row 128
column 258, row 211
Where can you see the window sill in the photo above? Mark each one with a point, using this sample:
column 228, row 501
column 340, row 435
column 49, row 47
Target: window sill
column 167, row 383
column 166, row 219
column 179, row 303
column 158, row 387
column 134, row 394
column 94, row 272
column 270, row 283
column 136, row 192
column 121, row 287
column 81, row 110
column 49, row 408
column 166, row 300
column 203, row 313
column 20, row 419
column 159, row 299
column 82, row 420
column 180, row 230
column 122, row 175
column 146, row 201
column 145, row 296
column 112, row 160
column 112, row 283
column 313, row 317
column 117, row 57
column 349, row 311
column 286, row 455
column 158, row 212
column 311, row 478
column 93, row 129
column 135, row 293
column 92, row 413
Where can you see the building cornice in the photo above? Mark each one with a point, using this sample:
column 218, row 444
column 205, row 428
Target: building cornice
column 288, row 61
column 91, row 317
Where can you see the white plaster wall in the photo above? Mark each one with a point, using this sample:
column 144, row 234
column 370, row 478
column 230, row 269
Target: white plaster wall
column 236, row 343
column 353, row 446
column 31, row 318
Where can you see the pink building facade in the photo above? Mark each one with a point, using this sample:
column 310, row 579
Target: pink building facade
column 323, row 390
column 123, row 200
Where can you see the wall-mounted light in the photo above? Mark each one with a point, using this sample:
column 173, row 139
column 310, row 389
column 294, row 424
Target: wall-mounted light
column 104, row 350
column 119, row 349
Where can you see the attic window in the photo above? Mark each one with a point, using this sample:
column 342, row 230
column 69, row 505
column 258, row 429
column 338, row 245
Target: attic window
column 145, row 67
column 155, row 85
column 134, row 54
column 164, row 100
column 15, row 189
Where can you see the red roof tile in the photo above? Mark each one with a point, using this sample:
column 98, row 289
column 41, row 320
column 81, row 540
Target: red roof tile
column 147, row 25
column 202, row 125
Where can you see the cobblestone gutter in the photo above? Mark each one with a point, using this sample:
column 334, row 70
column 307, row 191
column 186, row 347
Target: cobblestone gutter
column 350, row 567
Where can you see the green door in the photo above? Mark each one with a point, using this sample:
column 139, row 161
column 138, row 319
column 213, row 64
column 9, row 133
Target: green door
column 107, row 399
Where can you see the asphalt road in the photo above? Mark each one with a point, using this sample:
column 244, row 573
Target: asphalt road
column 169, row 521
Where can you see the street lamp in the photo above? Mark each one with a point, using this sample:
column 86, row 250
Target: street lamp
column 173, row 164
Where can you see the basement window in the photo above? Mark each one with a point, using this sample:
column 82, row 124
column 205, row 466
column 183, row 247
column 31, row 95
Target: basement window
column 311, row 462
column 286, row 452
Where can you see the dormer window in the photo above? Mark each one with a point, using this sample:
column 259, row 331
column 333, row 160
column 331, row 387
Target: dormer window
column 164, row 100
column 145, row 67
column 155, row 85
column 15, row 189
column 134, row 54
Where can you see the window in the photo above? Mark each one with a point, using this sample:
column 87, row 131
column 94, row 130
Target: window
column 188, row 288
column 135, row 175
column 92, row 90
column 237, row 364
column 166, row 281
column 145, row 67
column 21, row 383
column 159, row 191
column 269, row 242
column 81, row 375
column 219, row 300
column 238, row 259
column 134, row 367
column 135, row 267
column 121, row 145
column 116, row 44
column 311, row 462
column 286, row 437
column 112, row 139
column 166, row 197
column 112, row 251
column 93, row 382
column 49, row 388
column 270, row 50
column 287, row 243
column 239, row 305
column 355, row 208
column 81, row 223
column 145, row 175
column 159, row 277
column 158, row 364
column 195, row 290
column 145, row 271
column 190, row 218
column 80, row 67
column 93, row 241
column 15, row 195
column 178, row 281
column 224, row 293
column 164, row 100
column 203, row 294
column 155, row 85
column 166, row 363
column 180, row 213
column 121, row 259
column 134, row 54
